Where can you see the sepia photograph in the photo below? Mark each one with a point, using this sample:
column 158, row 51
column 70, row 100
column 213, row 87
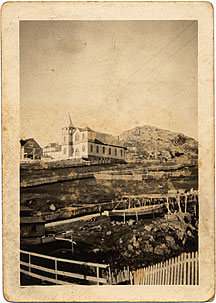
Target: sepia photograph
column 108, row 153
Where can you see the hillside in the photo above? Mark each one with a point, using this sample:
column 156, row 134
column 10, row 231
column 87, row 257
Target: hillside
column 149, row 142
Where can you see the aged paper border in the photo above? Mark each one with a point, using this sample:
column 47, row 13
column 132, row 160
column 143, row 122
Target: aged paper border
column 12, row 13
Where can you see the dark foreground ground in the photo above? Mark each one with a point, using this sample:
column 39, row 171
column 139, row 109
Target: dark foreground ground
column 134, row 244
column 101, row 240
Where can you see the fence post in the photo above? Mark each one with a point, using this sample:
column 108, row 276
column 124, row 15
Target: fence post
column 131, row 278
column 196, row 269
column 109, row 276
column 98, row 274
column 56, row 268
column 189, row 268
column 192, row 268
column 29, row 263
column 185, row 268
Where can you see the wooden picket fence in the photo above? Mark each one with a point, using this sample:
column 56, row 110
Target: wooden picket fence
column 181, row 270
column 119, row 277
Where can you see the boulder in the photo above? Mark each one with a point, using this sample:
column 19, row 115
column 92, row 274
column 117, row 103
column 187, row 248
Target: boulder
column 118, row 223
column 147, row 249
column 130, row 247
column 161, row 250
column 171, row 242
column 131, row 222
column 52, row 207
column 109, row 233
column 148, row 227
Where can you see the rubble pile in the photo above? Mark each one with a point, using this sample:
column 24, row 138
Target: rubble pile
column 157, row 241
column 136, row 243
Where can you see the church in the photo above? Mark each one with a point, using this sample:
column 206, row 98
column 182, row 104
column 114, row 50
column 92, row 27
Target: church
column 87, row 144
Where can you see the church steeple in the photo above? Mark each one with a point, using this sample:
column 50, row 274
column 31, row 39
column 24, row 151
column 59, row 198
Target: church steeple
column 71, row 123
column 67, row 139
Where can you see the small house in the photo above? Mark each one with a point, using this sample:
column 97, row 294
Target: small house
column 30, row 150
column 31, row 227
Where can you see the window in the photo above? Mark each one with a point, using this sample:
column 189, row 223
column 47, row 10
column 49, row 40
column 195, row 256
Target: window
column 83, row 148
column 115, row 152
column 121, row 152
column 65, row 150
column 109, row 151
column 91, row 148
column 64, row 139
column 83, row 136
column 77, row 137
column 77, row 152
column 97, row 149
column 103, row 150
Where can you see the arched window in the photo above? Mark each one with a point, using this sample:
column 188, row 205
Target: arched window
column 83, row 136
column 103, row 150
column 77, row 152
column 64, row 139
column 97, row 149
column 83, row 148
column 91, row 148
column 77, row 137
column 65, row 150
column 115, row 152
column 109, row 151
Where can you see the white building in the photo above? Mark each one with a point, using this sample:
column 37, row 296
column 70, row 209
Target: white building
column 85, row 143
column 52, row 151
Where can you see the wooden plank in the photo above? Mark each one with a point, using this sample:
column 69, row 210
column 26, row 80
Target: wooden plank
column 189, row 270
column 185, row 269
column 56, row 269
column 150, row 275
column 178, row 270
column 196, row 270
column 98, row 275
column 156, row 273
column 169, row 269
column 192, row 268
column 66, row 273
column 29, row 257
column 65, row 260
column 45, row 278
column 171, row 274
column 162, row 274
column 159, row 273
column 153, row 273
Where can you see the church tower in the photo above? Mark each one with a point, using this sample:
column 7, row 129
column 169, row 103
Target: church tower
column 67, row 139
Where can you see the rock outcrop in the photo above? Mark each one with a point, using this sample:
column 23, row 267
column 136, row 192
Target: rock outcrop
column 152, row 143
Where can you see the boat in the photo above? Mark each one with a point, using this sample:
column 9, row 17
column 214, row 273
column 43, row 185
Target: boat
column 136, row 212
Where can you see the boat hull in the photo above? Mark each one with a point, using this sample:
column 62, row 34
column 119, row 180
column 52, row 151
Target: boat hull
column 137, row 212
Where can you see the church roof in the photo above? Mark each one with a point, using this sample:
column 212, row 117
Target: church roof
column 87, row 128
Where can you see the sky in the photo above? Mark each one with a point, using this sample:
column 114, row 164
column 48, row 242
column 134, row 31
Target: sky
column 109, row 75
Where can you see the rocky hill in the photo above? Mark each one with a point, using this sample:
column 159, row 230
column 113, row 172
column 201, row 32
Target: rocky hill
column 152, row 143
